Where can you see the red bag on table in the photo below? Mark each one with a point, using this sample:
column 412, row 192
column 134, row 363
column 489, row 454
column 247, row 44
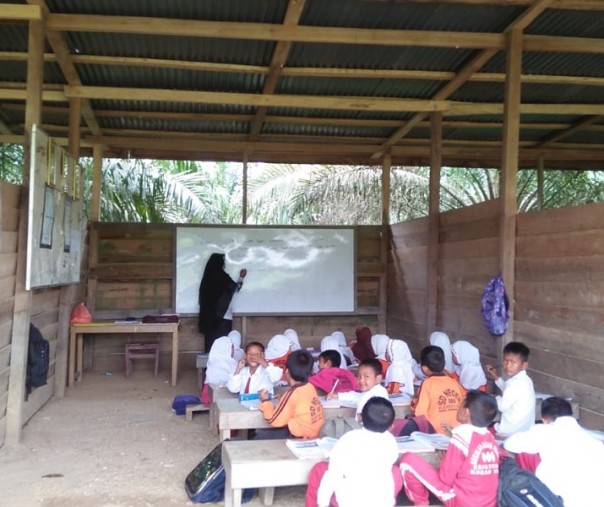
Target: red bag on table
column 80, row 314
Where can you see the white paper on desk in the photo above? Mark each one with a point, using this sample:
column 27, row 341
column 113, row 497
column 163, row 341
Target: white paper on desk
column 311, row 449
column 436, row 440
column 410, row 444
column 335, row 403
column 251, row 404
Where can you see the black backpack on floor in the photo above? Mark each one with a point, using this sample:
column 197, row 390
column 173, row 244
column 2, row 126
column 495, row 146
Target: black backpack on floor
column 521, row 488
column 205, row 483
column 37, row 359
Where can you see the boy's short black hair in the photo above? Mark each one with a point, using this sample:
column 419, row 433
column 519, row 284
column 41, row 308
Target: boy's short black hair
column 333, row 356
column 377, row 414
column 433, row 358
column 554, row 407
column 299, row 364
column 482, row 406
column 374, row 364
column 517, row 348
column 254, row 344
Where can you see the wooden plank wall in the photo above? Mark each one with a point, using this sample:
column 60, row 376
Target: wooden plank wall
column 132, row 274
column 467, row 259
column 10, row 197
column 560, row 303
column 407, row 283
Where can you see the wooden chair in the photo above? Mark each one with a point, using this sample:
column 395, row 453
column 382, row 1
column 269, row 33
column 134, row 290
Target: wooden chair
column 141, row 351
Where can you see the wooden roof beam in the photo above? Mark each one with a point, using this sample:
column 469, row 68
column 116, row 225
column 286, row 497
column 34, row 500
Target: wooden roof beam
column 466, row 71
column 482, row 77
column 313, row 34
column 554, row 138
column 63, row 54
column 280, row 54
column 13, row 12
column 592, row 5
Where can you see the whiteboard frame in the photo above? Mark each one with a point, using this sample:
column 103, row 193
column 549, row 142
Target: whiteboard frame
column 353, row 229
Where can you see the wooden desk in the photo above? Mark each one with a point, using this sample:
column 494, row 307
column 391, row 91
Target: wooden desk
column 262, row 464
column 78, row 331
column 232, row 415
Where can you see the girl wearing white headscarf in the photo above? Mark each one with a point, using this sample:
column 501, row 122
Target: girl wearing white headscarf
column 238, row 353
column 344, row 348
column 440, row 339
column 379, row 342
column 399, row 377
column 331, row 343
column 277, row 350
column 220, row 367
column 294, row 341
column 471, row 374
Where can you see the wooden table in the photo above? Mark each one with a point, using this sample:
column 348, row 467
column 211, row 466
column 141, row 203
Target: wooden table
column 77, row 332
column 232, row 415
column 262, row 464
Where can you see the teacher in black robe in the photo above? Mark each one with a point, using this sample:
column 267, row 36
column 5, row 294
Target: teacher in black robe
column 215, row 294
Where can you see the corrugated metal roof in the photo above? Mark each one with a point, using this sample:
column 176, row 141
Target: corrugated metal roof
column 230, row 120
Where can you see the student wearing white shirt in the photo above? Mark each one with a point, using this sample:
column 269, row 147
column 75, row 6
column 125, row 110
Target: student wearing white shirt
column 517, row 404
column 370, row 379
column 571, row 460
column 362, row 469
column 257, row 375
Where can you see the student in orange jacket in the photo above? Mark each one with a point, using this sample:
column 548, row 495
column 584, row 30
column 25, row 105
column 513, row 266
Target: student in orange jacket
column 299, row 413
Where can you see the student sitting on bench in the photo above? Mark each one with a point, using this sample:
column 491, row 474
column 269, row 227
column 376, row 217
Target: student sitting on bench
column 299, row 413
column 258, row 374
column 362, row 467
column 566, row 458
column 331, row 377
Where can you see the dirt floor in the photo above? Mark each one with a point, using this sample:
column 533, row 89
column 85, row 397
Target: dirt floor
column 111, row 442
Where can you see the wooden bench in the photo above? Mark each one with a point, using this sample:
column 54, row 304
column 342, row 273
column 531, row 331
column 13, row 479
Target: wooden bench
column 263, row 464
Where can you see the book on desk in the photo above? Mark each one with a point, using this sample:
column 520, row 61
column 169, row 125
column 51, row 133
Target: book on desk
column 311, row 449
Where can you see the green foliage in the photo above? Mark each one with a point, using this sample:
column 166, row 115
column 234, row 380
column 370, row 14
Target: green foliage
column 11, row 163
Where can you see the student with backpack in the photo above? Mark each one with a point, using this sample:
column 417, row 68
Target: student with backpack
column 570, row 461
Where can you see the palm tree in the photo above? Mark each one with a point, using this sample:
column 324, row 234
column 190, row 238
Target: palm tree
column 11, row 163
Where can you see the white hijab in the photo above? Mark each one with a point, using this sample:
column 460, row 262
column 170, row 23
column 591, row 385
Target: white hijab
column 238, row 353
column 401, row 366
column 331, row 343
column 471, row 374
column 221, row 364
column 343, row 346
column 379, row 343
column 277, row 347
column 294, row 341
column 441, row 340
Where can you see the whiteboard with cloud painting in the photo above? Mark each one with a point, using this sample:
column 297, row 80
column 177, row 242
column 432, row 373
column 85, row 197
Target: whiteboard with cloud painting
column 290, row 270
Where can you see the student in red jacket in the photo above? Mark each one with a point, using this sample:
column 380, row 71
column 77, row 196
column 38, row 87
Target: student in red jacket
column 331, row 377
column 469, row 471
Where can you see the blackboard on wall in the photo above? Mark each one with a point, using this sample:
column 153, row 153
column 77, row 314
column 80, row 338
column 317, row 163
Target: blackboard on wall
column 290, row 270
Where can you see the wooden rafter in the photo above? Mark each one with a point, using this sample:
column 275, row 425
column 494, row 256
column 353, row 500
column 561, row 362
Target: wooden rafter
column 476, row 63
column 63, row 55
column 280, row 54
column 313, row 34
column 582, row 125
column 12, row 12
column 357, row 73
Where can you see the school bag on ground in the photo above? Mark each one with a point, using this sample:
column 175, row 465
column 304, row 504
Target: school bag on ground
column 205, row 483
column 494, row 306
column 335, row 427
column 521, row 488
column 37, row 360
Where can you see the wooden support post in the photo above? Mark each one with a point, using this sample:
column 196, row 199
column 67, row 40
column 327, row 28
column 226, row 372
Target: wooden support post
column 433, row 221
column 73, row 143
column 509, row 174
column 244, row 191
column 67, row 297
column 23, row 299
column 385, row 243
column 97, row 176
column 540, row 174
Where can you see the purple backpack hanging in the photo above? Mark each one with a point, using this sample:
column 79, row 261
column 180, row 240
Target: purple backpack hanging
column 494, row 306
